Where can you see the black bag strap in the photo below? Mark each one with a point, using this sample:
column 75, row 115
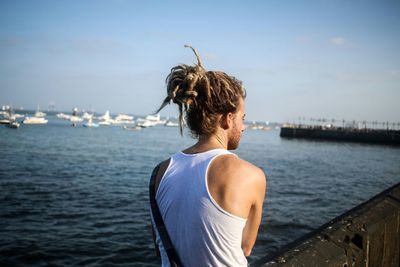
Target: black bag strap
column 162, row 230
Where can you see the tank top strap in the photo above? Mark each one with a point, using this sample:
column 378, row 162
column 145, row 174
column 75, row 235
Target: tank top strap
column 204, row 155
column 213, row 154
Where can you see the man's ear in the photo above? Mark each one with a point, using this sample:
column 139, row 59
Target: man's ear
column 226, row 121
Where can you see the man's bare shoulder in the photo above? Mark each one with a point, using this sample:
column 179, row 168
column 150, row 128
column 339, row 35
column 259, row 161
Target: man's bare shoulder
column 233, row 169
column 236, row 184
column 237, row 167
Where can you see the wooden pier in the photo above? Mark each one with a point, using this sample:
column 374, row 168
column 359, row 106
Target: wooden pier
column 375, row 136
column 367, row 236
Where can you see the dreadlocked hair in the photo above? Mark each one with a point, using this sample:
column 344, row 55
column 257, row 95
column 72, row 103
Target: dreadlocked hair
column 202, row 96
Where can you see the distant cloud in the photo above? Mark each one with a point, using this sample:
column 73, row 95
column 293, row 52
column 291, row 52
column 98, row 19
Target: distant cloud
column 340, row 41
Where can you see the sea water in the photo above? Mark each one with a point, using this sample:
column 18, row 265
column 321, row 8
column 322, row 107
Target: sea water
column 75, row 196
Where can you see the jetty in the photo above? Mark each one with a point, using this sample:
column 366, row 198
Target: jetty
column 367, row 235
column 348, row 134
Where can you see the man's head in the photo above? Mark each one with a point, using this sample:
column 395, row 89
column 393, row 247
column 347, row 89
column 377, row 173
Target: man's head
column 204, row 98
column 234, row 132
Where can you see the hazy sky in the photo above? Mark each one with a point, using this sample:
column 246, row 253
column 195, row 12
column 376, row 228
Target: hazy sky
column 316, row 58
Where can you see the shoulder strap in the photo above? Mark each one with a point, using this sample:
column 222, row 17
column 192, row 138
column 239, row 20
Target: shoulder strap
column 162, row 230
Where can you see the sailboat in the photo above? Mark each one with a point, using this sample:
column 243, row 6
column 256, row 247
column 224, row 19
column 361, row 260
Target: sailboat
column 38, row 118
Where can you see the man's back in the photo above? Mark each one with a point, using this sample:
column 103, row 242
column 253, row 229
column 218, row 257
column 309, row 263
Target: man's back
column 203, row 233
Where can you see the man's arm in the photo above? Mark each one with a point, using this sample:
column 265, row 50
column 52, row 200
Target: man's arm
column 250, row 230
column 239, row 188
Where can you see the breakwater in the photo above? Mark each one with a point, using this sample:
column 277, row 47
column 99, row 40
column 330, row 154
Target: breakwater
column 364, row 135
column 367, row 235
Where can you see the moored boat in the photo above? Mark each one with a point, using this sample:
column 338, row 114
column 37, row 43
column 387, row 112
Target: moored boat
column 40, row 114
column 4, row 121
column 13, row 125
column 75, row 119
column 150, row 120
column 35, row 120
column 134, row 128
column 123, row 117
column 171, row 124
column 105, row 123
column 90, row 124
column 63, row 116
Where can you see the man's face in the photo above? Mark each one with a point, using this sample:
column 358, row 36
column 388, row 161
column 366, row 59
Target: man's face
column 237, row 129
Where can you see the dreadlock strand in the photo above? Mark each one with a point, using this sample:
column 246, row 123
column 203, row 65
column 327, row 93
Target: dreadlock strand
column 181, row 122
column 197, row 56
column 173, row 92
column 166, row 101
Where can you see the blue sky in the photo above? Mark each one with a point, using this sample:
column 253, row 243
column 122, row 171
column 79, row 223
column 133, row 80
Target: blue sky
column 317, row 58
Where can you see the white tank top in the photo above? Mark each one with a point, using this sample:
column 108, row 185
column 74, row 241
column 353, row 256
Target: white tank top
column 202, row 233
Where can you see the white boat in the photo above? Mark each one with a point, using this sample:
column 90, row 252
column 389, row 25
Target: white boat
column 16, row 115
column 8, row 116
column 171, row 124
column 146, row 124
column 5, row 121
column 156, row 119
column 256, row 126
column 5, row 110
column 104, row 123
column 134, row 128
column 63, row 116
column 40, row 114
column 13, row 124
column 75, row 119
column 153, row 117
column 5, row 116
column 150, row 120
column 105, row 117
column 141, row 120
column 87, row 116
column 90, row 124
column 123, row 117
column 35, row 120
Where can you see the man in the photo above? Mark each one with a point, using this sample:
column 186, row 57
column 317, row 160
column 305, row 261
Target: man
column 210, row 200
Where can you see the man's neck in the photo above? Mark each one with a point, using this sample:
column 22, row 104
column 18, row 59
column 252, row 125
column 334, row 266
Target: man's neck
column 206, row 143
